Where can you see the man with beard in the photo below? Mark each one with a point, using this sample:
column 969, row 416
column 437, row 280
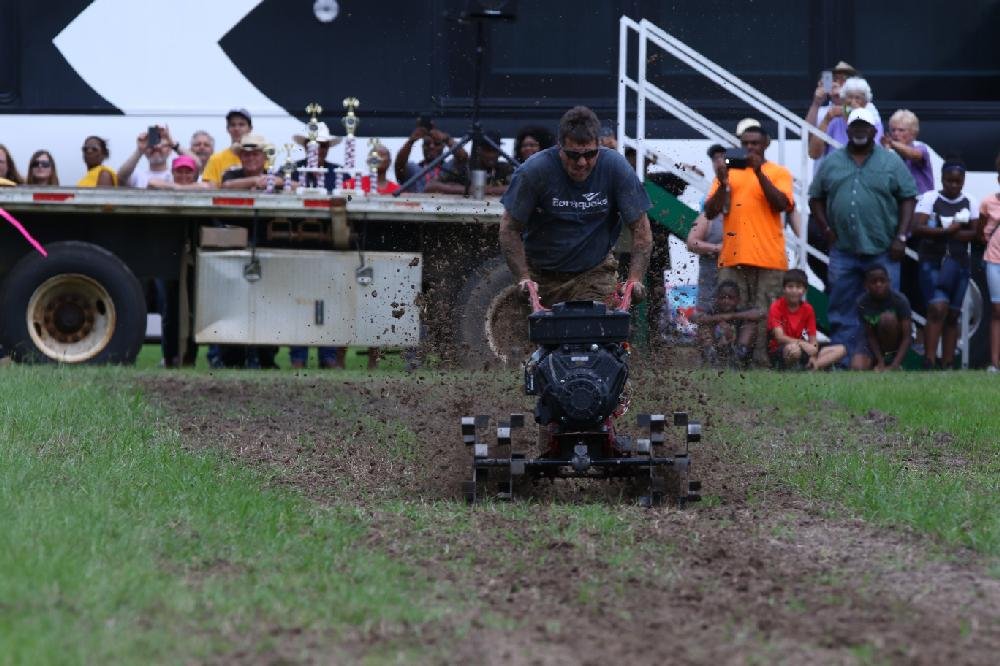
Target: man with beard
column 862, row 199
column 751, row 199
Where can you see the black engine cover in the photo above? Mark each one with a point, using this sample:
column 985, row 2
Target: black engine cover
column 579, row 371
column 577, row 386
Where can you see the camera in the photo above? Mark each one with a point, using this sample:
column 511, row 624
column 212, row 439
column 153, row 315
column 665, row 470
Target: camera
column 736, row 158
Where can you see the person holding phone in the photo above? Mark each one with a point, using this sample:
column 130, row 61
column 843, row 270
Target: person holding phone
column 433, row 141
column 827, row 92
column 751, row 200
column 156, row 145
column 855, row 94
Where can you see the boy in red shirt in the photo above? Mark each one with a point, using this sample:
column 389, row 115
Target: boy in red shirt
column 791, row 323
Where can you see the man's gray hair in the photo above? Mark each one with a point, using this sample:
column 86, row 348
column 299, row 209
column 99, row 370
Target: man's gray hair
column 202, row 133
column 579, row 124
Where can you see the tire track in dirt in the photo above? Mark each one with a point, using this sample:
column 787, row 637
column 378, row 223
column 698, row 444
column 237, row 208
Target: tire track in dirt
column 758, row 576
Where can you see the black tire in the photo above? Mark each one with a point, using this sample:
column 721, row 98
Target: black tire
column 493, row 318
column 83, row 303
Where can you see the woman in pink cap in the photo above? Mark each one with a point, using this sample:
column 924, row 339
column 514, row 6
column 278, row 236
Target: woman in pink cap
column 183, row 174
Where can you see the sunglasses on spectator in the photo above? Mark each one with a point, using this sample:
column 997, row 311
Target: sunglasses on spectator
column 45, row 164
column 575, row 155
column 90, row 149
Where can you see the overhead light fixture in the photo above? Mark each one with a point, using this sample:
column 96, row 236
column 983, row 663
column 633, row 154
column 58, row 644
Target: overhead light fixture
column 326, row 10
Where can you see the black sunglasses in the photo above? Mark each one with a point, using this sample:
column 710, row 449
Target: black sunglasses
column 575, row 155
column 45, row 164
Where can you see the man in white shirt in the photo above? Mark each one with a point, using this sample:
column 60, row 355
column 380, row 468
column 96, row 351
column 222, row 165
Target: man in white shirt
column 157, row 154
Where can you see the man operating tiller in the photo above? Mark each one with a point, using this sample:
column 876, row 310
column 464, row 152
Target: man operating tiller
column 563, row 213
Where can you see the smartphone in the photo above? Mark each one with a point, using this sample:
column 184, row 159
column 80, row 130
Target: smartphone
column 425, row 122
column 736, row 158
column 826, row 77
column 153, row 136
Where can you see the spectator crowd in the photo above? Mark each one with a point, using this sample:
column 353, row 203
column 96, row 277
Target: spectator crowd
column 160, row 161
column 870, row 201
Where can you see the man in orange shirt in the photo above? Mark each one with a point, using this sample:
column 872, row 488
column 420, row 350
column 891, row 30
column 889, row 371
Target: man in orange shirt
column 751, row 200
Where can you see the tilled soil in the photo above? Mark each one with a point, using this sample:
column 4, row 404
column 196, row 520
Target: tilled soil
column 757, row 575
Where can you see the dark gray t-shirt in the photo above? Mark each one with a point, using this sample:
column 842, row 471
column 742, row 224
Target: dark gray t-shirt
column 570, row 227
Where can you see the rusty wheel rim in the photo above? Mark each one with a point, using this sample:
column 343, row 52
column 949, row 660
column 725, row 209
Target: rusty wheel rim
column 70, row 318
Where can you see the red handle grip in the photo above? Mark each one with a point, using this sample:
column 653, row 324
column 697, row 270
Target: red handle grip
column 536, row 303
column 626, row 301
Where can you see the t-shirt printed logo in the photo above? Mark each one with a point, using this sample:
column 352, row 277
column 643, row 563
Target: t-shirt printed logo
column 589, row 201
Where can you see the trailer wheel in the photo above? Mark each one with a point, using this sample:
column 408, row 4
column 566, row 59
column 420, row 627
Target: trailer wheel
column 494, row 317
column 81, row 304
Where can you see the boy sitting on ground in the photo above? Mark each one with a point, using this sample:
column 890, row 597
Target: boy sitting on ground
column 791, row 323
column 722, row 335
column 886, row 319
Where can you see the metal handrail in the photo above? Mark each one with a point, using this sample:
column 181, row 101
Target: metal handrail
column 646, row 90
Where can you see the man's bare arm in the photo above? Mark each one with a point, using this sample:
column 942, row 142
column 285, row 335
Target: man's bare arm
column 904, row 215
column 642, row 248
column 513, row 247
column 775, row 198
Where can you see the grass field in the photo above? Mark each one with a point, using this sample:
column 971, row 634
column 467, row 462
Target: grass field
column 118, row 545
column 124, row 544
column 938, row 470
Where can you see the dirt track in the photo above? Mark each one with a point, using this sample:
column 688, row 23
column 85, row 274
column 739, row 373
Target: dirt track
column 759, row 576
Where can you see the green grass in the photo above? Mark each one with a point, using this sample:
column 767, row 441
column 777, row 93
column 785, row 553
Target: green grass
column 117, row 546
column 938, row 472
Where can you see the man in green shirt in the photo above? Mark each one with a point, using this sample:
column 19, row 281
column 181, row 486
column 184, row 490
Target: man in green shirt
column 862, row 199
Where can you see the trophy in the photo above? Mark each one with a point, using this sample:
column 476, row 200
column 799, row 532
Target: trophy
column 373, row 162
column 351, row 122
column 312, row 155
column 270, row 168
column 288, row 168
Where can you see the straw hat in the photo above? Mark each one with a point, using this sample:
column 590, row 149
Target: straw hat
column 322, row 136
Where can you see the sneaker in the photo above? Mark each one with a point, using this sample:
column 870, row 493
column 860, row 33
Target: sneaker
column 992, row 369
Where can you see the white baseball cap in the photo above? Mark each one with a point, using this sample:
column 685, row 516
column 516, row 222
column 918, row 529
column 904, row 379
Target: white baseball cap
column 746, row 124
column 864, row 114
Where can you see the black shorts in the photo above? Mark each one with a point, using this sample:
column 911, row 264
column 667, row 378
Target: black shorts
column 777, row 358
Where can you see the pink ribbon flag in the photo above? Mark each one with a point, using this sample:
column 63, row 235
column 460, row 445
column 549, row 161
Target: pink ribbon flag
column 24, row 232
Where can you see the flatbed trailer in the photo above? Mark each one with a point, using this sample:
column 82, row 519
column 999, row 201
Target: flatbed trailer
column 245, row 268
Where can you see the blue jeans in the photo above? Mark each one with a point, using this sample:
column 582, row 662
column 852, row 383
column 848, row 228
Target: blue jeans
column 845, row 285
column 301, row 354
column 944, row 281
